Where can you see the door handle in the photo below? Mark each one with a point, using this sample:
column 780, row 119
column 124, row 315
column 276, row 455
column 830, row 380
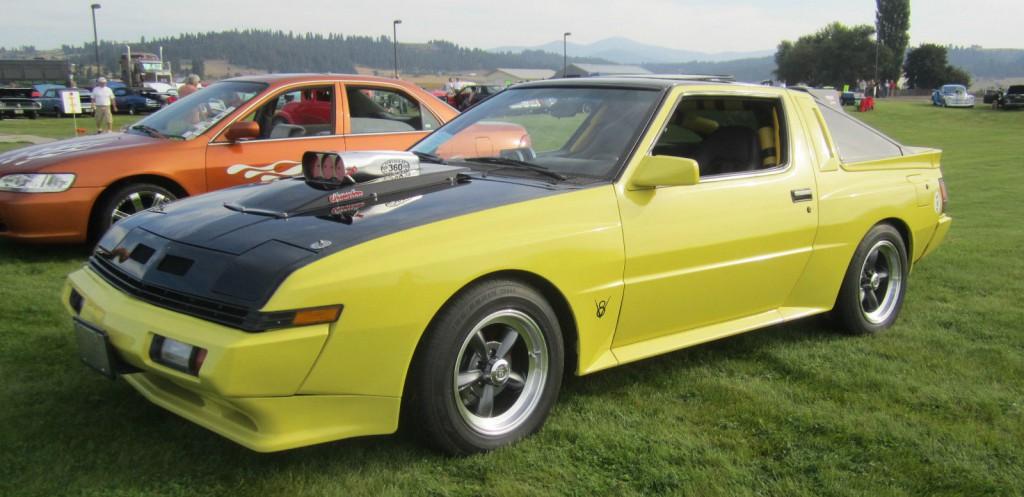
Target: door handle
column 801, row 195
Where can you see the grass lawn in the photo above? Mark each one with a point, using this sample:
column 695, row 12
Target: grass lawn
column 933, row 407
column 52, row 127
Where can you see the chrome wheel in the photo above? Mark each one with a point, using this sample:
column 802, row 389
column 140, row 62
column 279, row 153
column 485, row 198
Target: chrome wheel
column 500, row 372
column 881, row 280
column 136, row 202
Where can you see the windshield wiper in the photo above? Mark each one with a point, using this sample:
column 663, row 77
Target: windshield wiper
column 436, row 159
column 504, row 161
column 151, row 131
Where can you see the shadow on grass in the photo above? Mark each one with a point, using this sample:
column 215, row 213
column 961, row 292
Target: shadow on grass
column 93, row 413
column 24, row 252
column 751, row 345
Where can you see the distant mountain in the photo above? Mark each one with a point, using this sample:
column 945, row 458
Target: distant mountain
column 627, row 51
column 988, row 62
column 753, row 70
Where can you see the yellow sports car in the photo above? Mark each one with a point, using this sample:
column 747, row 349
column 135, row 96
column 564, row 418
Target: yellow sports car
column 459, row 281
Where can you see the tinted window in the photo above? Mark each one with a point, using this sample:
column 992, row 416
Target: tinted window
column 380, row 110
column 726, row 135
column 855, row 140
column 296, row 113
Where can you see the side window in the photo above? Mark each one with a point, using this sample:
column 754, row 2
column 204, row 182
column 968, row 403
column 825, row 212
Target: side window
column 726, row 135
column 296, row 113
column 855, row 140
column 50, row 93
column 380, row 110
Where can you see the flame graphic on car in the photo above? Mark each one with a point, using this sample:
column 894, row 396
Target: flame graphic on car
column 268, row 172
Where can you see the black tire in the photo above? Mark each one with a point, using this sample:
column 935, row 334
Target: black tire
column 33, row 115
column 872, row 292
column 131, row 110
column 441, row 404
column 121, row 201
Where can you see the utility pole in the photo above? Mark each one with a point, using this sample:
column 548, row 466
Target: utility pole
column 95, row 37
column 877, row 42
column 394, row 29
column 565, row 54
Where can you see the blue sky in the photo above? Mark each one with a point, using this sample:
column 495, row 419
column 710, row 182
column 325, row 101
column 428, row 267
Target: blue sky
column 708, row 26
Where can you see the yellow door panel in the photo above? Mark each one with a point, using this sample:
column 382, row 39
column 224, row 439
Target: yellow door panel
column 726, row 248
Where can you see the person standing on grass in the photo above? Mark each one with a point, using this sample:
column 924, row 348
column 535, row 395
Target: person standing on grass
column 103, row 102
column 191, row 86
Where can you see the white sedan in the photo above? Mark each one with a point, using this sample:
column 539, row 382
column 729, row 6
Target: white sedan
column 952, row 96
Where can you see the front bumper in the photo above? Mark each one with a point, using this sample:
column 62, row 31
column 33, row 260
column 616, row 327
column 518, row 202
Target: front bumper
column 47, row 217
column 959, row 103
column 249, row 387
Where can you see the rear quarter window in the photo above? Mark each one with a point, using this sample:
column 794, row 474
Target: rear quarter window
column 856, row 141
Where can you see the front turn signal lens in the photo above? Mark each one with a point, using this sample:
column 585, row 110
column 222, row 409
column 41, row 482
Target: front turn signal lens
column 316, row 315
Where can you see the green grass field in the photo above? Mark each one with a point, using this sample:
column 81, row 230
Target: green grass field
column 50, row 127
column 932, row 407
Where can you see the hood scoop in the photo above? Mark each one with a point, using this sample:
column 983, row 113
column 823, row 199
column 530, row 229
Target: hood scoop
column 342, row 182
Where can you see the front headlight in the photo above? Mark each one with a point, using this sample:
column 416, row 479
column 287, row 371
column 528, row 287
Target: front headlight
column 36, row 183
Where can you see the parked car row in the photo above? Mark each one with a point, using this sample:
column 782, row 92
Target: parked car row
column 52, row 102
column 47, row 100
column 1011, row 98
column 19, row 102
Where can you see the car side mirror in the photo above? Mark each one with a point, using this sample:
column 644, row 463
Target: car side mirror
column 243, row 130
column 665, row 170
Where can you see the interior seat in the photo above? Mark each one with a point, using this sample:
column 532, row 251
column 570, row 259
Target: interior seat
column 282, row 130
column 730, row 149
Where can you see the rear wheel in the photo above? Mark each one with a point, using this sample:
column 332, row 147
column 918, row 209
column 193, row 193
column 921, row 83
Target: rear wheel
column 872, row 292
column 489, row 369
column 127, row 200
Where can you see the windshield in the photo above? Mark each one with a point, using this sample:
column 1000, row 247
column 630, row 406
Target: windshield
column 1016, row 89
column 193, row 115
column 953, row 89
column 575, row 132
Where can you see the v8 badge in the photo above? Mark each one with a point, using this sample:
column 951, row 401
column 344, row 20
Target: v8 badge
column 602, row 307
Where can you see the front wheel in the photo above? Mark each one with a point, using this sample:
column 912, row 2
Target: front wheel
column 489, row 369
column 127, row 200
column 872, row 293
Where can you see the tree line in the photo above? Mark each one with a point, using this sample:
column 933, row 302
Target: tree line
column 839, row 55
column 280, row 51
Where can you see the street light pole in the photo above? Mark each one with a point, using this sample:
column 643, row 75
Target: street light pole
column 876, row 66
column 95, row 37
column 565, row 54
column 394, row 27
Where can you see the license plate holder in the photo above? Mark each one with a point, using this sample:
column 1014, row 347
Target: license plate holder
column 94, row 348
column 19, row 111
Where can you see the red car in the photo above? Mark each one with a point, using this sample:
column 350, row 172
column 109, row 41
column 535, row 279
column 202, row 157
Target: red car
column 312, row 107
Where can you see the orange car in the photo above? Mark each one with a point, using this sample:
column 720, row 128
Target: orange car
column 241, row 130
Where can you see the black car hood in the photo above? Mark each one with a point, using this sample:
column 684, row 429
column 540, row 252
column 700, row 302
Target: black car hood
column 236, row 246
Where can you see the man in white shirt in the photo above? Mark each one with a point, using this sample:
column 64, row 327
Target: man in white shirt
column 103, row 101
